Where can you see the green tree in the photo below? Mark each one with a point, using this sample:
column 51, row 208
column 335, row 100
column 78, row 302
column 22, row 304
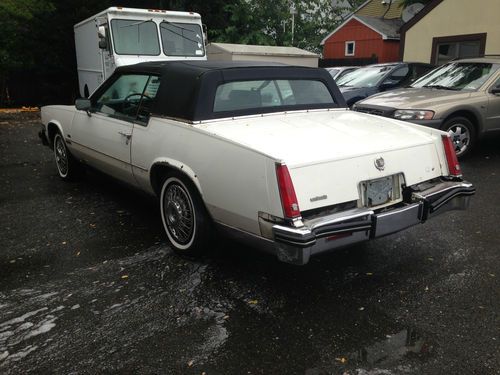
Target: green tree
column 15, row 18
column 270, row 23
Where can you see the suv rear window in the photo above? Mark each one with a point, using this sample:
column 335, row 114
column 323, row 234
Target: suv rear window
column 242, row 95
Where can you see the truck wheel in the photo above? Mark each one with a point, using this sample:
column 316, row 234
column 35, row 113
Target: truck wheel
column 67, row 167
column 463, row 134
column 184, row 217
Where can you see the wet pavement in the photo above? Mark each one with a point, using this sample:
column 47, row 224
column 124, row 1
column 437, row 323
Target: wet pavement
column 88, row 284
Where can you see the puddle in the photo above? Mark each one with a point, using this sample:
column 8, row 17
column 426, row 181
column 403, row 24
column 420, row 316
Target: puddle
column 392, row 350
column 398, row 353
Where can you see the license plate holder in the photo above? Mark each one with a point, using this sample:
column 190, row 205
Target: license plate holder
column 381, row 191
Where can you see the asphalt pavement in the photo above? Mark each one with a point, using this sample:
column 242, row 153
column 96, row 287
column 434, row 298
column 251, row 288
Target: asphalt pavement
column 89, row 284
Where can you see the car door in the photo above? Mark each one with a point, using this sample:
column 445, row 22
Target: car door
column 493, row 117
column 102, row 137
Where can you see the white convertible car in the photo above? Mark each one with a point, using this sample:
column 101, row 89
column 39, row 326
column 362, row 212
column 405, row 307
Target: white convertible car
column 267, row 153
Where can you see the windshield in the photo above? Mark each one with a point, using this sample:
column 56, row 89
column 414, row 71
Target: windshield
column 182, row 39
column 364, row 77
column 241, row 95
column 333, row 72
column 135, row 37
column 458, row 76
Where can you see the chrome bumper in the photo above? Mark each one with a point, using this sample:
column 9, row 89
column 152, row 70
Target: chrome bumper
column 296, row 245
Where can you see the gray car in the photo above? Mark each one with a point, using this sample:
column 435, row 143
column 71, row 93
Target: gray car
column 461, row 97
column 363, row 82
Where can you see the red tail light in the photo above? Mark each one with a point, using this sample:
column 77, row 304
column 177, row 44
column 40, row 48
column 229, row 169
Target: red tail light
column 451, row 156
column 287, row 193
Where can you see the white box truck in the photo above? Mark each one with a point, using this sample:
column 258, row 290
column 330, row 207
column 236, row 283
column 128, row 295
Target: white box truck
column 124, row 36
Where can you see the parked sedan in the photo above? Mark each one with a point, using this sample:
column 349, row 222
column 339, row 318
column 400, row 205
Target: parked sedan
column 372, row 79
column 461, row 97
column 338, row 72
column 265, row 153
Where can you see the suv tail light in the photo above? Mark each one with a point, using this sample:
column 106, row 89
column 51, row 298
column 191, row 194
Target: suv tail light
column 451, row 157
column 287, row 193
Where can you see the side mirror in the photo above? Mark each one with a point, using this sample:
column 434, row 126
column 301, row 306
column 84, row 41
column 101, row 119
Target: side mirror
column 103, row 42
column 495, row 90
column 83, row 104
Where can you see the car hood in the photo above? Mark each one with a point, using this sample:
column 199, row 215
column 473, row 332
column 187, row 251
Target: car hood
column 301, row 138
column 415, row 98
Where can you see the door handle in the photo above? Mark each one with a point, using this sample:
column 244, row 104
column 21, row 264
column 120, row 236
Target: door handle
column 127, row 136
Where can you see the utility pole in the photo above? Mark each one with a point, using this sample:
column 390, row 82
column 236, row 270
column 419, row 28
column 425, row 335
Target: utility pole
column 293, row 12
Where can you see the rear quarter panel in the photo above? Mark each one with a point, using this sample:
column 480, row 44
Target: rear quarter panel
column 235, row 182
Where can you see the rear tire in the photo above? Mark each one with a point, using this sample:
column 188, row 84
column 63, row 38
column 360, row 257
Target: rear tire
column 67, row 167
column 463, row 134
column 184, row 217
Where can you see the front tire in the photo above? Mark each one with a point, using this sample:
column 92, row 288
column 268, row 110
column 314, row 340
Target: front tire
column 463, row 134
column 67, row 166
column 184, row 217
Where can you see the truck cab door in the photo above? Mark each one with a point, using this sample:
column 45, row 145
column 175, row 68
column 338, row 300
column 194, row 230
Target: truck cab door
column 106, row 48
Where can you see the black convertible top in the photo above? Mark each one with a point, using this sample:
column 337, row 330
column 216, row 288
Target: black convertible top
column 187, row 88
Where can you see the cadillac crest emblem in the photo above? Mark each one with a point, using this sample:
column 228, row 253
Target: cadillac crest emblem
column 380, row 164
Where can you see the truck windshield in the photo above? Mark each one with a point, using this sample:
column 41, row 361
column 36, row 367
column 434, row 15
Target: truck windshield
column 135, row 37
column 182, row 39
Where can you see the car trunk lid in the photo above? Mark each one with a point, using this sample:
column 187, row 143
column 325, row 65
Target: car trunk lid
column 329, row 153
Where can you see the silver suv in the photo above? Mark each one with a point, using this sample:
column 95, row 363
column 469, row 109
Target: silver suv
column 461, row 97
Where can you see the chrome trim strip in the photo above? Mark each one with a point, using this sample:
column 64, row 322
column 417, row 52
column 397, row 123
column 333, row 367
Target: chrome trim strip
column 109, row 156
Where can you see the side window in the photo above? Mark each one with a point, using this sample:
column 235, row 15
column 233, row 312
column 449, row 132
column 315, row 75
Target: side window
column 496, row 85
column 397, row 77
column 148, row 98
column 123, row 97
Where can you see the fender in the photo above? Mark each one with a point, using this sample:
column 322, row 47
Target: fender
column 51, row 133
column 478, row 116
column 175, row 164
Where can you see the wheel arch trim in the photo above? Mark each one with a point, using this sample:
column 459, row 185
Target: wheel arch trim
column 469, row 113
column 162, row 164
column 51, row 125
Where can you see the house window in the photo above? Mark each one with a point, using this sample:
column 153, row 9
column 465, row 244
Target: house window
column 349, row 48
column 447, row 48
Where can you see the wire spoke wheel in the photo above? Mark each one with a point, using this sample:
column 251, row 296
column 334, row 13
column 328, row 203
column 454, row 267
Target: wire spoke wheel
column 179, row 214
column 61, row 156
column 184, row 216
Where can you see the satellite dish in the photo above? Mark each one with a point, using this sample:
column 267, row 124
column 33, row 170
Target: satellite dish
column 410, row 11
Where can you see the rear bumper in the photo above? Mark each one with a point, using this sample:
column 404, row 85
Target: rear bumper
column 297, row 245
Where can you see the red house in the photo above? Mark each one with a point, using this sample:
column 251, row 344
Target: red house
column 362, row 39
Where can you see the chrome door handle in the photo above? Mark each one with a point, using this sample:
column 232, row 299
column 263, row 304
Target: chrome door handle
column 127, row 136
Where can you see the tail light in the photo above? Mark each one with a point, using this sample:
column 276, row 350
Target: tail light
column 451, row 156
column 287, row 193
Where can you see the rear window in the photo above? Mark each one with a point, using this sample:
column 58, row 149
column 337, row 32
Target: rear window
column 242, row 95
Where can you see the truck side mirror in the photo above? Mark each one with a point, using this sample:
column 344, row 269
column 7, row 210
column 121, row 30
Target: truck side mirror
column 103, row 41
column 495, row 90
